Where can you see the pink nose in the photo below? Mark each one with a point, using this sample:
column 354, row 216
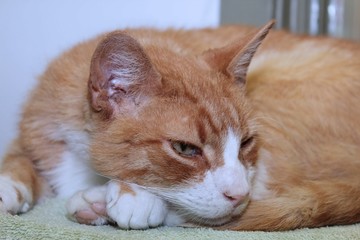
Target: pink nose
column 235, row 199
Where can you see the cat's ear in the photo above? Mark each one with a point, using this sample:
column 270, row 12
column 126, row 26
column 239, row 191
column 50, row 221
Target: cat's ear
column 234, row 59
column 121, row 75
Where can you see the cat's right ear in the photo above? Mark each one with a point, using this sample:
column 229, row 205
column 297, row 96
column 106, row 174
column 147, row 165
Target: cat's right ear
column 121, row 75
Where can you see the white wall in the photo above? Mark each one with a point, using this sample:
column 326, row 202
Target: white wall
column 32, row 32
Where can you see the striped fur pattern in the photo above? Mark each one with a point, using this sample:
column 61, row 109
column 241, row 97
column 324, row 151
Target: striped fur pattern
column 232, row 128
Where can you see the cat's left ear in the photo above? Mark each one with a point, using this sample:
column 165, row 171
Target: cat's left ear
column 234, row 59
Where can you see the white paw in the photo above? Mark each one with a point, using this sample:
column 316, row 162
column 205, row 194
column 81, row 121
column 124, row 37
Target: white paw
column 89, row 206
column 132, row 207
column 14, row 197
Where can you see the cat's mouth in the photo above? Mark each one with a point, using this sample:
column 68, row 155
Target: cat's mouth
column 194, row 219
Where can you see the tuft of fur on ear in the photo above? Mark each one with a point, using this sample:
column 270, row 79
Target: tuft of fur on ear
column 234, row 59
column 121, row 75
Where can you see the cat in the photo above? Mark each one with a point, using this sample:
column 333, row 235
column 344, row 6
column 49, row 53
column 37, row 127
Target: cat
column 144, row 128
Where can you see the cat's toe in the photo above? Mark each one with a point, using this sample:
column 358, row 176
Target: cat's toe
column 3, row 208
column 88, row 207
column 89, row 217
column 158, row 213
column 134, row 208
column 14, row 197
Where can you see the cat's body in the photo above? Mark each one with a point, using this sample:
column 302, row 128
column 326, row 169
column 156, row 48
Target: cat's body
column 180, row 130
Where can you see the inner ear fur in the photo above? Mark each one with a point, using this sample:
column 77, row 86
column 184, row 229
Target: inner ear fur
column 234, row 59
column 121, row 74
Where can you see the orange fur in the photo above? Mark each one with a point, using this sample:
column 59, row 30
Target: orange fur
column 300, row 102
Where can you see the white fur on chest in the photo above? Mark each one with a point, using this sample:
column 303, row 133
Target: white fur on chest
column 74, row 173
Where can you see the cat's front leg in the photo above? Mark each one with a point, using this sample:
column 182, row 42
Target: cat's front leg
column 132, row 207
column 129, row 205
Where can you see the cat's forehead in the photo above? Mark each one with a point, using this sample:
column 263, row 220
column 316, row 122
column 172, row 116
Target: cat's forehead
column 203, row 101
column 197, row 101
column 198, row 118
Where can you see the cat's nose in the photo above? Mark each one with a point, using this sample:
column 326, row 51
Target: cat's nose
column 235, row 199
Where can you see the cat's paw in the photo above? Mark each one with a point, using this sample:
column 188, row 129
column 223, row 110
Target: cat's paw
column 89, row 206
column 14, row 196
column 132, row 207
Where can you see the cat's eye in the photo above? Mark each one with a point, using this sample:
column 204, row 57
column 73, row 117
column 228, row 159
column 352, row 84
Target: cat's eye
column 247, row 142
column 185, row 149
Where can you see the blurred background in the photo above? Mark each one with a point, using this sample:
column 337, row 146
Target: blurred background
column 337, row 18
column 35, row 31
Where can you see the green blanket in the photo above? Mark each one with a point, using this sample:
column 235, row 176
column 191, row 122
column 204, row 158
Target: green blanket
column 48, row 221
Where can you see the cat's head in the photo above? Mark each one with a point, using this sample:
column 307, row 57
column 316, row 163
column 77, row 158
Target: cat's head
column 180, row 126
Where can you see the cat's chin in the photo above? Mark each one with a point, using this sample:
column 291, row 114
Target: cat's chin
column 213, row 222
column 206, row 222
column 194, row 220
column 209, row 222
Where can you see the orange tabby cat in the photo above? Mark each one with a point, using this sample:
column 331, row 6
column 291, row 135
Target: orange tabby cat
column 191, row 134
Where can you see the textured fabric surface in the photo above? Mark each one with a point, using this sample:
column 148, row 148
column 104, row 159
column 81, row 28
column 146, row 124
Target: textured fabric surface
column 48, row 221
